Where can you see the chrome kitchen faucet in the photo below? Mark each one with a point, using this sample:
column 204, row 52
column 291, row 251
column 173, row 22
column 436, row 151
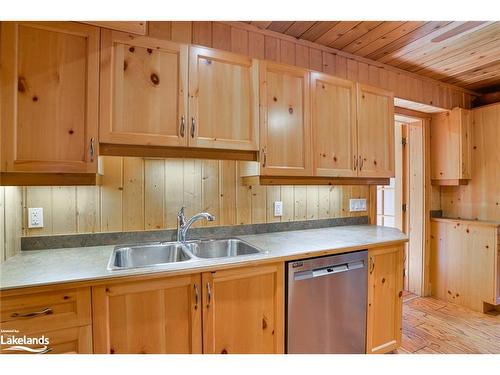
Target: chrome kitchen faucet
column 183, row 225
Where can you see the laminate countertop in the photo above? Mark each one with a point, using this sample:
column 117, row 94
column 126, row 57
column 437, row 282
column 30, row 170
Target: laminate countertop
column 89, row 264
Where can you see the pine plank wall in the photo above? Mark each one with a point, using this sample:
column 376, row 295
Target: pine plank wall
column 144, row 194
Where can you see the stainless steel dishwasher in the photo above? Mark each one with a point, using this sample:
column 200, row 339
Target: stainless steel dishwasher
column 326, row 304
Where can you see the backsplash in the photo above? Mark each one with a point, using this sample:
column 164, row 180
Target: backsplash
column 146, row 194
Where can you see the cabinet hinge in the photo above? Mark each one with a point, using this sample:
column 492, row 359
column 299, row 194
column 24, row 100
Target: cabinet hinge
column 403, row 141
column 403, row 207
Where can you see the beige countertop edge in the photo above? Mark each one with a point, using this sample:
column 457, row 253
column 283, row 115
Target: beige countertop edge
column 159, row 273
column 489, row 223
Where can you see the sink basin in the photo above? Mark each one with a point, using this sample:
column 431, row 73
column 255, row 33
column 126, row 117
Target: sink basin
column 147, row 255
column 221, row 248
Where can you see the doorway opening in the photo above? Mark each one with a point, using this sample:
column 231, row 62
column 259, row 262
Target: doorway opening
column 402, row 204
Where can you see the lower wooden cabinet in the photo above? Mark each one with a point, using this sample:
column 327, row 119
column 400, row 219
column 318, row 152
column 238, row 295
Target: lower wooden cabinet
column 385, row 299
column 151, row 316
column 243, row 310
column 62, row 316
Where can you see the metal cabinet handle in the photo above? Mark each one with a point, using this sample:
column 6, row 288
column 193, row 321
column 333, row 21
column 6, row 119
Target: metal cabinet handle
column 91, row 149
column 195, row 296
column 183, row 126
column 264, row 157
column 209, row 295
column 372, row 265
column 355, row 162
column 360, row 162
column 45, row 311
column 193, row 127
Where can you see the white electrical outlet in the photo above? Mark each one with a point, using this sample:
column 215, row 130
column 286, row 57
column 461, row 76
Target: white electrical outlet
column 35, row 217
column 278, row 208
column 357, row 205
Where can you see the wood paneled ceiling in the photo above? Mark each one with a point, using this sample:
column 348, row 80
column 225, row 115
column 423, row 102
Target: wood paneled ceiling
column 465, row 54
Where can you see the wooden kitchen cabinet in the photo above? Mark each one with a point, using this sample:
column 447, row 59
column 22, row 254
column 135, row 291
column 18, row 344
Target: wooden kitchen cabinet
column 385, row 299
column 243, row 310
column 465, row 262
column 150, row 316
column 143, row 91
column 375, row 132
column 285, row 127
column 223, row 100
column 333, row 112
column 63, row 316
column 50, row 97
column 451, row 147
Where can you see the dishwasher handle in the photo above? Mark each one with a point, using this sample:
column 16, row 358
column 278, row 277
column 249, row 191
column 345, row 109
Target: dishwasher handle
column 329, row 270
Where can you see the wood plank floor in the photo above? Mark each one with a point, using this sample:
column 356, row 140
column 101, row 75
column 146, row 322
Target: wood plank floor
column 434, row 326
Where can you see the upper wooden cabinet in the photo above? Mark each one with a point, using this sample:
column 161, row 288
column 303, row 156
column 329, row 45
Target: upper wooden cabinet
column 143, row 91
column 223, row 100
column 50, row 97
column 451, row 147
column 243, row 310
column 285, row 131
column 155, row 316
column 375, row 132
column 334, row 125
column 385, row 299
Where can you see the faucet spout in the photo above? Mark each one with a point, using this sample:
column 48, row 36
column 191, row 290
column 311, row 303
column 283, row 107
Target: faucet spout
column 183, row 225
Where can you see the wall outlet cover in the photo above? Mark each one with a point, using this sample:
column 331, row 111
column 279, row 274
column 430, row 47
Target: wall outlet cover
column 278, row 208
column 357, row 205
column 35, row 217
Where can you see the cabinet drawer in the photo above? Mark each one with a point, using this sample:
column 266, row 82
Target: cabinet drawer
column 46, row 311
column 76, row 340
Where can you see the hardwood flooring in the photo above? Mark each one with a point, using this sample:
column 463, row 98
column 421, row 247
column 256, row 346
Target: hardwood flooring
column 431, row 326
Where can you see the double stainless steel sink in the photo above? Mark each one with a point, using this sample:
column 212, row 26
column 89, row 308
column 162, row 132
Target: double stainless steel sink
column 150, row 255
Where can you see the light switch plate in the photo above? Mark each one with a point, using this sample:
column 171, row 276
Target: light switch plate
column 278, row 208
column 357, row 205
column 35, row 217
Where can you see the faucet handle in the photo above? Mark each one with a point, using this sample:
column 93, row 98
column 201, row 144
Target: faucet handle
column 180, row 216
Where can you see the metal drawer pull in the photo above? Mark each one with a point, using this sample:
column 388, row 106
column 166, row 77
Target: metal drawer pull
column 209, row 291
column 183, row 126
column 193, row 127
column 372, row 265
column 46, row 311
column 196, row 296
column 91, row 149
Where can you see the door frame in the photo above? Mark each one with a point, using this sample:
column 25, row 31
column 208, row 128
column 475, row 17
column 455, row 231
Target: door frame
column 420, row 119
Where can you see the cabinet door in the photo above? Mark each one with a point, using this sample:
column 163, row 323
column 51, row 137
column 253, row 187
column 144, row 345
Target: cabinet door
column 155, row 316
column 143, row 91
column 50, row 94
column 285, row 136
column 334, row 125
column 385, row 297
column 375, row 132
column 243, row 310
column 223, row 102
